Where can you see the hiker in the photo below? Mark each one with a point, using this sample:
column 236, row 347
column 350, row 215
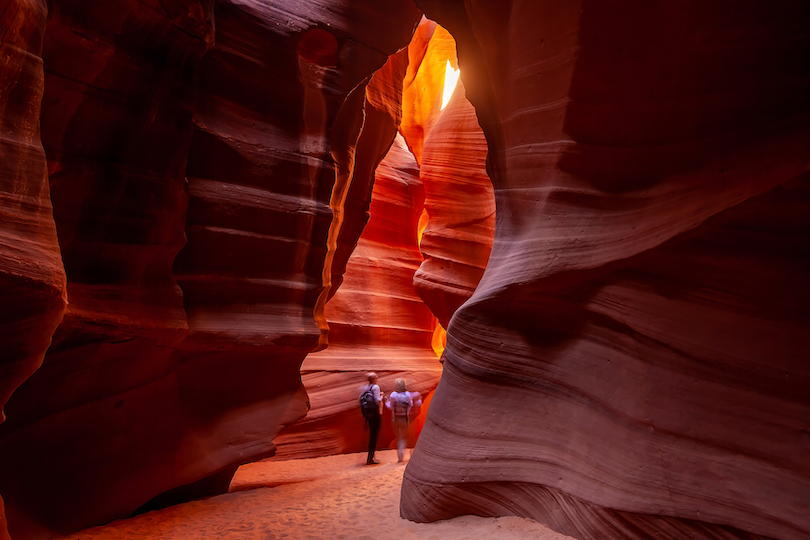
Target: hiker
column 401, row 402
column 370, row 405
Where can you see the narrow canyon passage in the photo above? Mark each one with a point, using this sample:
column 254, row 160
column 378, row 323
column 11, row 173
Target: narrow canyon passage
column 420, row 255
column 590, row 259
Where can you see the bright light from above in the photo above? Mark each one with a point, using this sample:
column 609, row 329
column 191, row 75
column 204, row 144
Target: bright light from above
column 450, row 80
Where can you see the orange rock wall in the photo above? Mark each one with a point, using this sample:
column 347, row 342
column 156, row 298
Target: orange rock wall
column 376, row 322
column 428, row 53
column 460, row 205
column 632, row 364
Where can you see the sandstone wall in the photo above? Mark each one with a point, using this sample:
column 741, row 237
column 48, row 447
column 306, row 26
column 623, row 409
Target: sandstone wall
column 632, row 364
column 376, row 322
column 193, row 148
column 32, row 276
column 460, row 205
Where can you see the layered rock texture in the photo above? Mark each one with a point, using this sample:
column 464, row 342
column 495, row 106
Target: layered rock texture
column 183, row 184
column 376, row 321
column 460, row 205
column 431, row 48
column 444, row 208
column 195, row 149
column 633, row 362
column 32, row 277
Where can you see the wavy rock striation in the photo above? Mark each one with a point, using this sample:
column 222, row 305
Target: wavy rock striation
column 428, row 53
column 460, row 203
column 376, row 321
column 116, row 122
column 32, row 276
column 632, row 364
column 192, row 300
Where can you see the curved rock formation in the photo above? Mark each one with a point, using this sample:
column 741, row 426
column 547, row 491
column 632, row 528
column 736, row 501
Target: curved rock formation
column 176, row 385
column 428, row 53
column 32, row 277
column 116, row 123
column 633, row 363
column 376, row 321
column 461, row 207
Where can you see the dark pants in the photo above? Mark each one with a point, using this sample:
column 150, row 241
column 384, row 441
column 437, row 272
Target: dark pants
column 373, row 430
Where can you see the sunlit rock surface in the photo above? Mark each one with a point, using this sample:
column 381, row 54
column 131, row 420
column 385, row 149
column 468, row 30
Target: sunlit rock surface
column 376, row 321
column 192, row 174
column 428, row 53
column 460, row 206
column 633, row 363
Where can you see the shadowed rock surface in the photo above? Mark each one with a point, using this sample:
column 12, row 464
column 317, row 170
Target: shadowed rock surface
column 32, row 277
column 193, row 148
column 635, row 346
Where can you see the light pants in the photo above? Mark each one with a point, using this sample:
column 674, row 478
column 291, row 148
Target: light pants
column 400, row 424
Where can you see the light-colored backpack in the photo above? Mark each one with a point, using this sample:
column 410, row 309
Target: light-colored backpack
column 402, row 404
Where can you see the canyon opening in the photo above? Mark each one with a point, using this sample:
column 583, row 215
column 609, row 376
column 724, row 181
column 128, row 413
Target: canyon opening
column 219, row 215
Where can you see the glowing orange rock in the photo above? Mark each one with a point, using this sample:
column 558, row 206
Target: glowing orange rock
column 460, row 203
column 376, row 321
column 430, row 50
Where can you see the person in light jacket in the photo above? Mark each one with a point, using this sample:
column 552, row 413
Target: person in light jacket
column 400, row 402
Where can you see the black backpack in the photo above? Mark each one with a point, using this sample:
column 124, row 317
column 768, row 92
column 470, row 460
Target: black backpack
column 368, row 405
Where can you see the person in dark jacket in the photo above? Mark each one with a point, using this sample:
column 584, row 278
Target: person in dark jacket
column 374, row 416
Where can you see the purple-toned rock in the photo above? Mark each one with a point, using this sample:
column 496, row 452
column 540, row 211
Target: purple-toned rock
column 633, row 362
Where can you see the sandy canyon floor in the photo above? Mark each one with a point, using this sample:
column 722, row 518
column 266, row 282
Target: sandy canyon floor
column 335, row 497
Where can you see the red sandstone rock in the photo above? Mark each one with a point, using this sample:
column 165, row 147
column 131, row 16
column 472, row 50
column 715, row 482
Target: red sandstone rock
column 461, row 207
column 376, row 321
column 32, row 278
column 459, row 204
column 115, row 126
column 632, row 363
column 636, row 347
column 381, row 116
column 174, row 385
column 3, row 525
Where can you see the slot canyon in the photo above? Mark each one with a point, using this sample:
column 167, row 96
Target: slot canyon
column 589, row 256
